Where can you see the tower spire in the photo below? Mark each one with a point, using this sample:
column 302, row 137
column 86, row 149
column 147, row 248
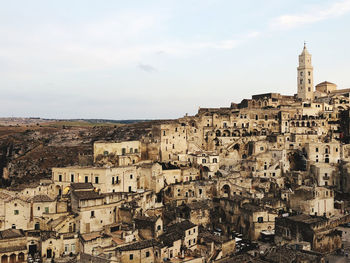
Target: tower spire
column 305, row 76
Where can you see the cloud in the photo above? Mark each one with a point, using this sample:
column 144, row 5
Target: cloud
column 337, row 9
column 147, row 68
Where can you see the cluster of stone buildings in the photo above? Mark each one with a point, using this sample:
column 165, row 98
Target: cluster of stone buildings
column 204, row 188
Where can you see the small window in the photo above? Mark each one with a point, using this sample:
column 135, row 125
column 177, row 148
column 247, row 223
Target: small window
column 16, row 212
column 46, row 210
column 72, row 178
column 131, row 176
column 96, row 180
column 147, row 254
column 260, row 219
column 105, row 153
column 131, row 256
column 92, row 214
column 38, row 208
column 60, row 177
column 86, row 179
column 204, row 160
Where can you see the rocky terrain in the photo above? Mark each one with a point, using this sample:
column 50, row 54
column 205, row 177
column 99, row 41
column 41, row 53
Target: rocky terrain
column 27, row 153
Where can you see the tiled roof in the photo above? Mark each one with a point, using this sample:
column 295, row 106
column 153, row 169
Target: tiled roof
column 91, row 236
column 11, row 233
column 139, row 245
column 86, row 195
column 42, row 198
column 13, row 249
column 181, row 226
column 145, row 221
column 76, row 186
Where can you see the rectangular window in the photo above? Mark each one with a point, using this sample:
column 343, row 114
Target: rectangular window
column 16, row 212
column 92, row 214
column 46, row 210
column 66, row 248
column 260, row 219
column 112, row 180
column 73, row 248
column 60, row 177
column 131, row 256
column 72, row 178
column 96, row 180
column 86, row 179
column 147, row 254
column 130, row 176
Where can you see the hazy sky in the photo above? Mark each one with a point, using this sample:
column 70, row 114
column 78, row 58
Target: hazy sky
column 118, row 59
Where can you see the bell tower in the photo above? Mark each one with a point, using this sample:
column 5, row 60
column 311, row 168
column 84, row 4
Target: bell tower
column 305, row 76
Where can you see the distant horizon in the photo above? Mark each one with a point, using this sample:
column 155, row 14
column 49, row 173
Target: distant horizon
column 161, row 60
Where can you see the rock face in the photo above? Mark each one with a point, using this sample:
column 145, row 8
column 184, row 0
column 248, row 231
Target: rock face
column 29, row 153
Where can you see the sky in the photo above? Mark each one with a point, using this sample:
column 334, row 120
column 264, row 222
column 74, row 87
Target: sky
column 161, row 59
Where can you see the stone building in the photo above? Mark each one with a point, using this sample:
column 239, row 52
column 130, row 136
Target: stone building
column 313, row 201
column 317, row 231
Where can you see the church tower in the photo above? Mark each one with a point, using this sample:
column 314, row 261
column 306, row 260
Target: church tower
column 305, row 76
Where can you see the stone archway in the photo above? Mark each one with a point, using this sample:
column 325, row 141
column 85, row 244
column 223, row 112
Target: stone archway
column 4, row 259
column 21, row 257
column 13, row 258
column 49, row 253
column 226, row 191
